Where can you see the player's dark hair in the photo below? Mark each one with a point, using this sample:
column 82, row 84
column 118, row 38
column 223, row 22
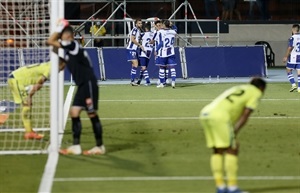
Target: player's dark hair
column 137, row 20
column 297, row 27
column 157, row 21
column 68, row 29
column 147, row 26
column 258, row 82
column 167, row 23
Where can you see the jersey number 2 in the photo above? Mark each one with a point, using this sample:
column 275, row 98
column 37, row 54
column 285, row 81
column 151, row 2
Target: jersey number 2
column 235, row 94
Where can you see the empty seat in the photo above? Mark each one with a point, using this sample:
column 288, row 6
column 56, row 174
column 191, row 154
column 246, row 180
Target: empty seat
column 270, row 56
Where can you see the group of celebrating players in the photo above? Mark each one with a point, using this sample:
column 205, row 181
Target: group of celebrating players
column 142, row 43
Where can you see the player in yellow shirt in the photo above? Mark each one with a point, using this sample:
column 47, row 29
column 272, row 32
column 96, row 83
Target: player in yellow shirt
column 221, row 120
column 97, row 31
column 23, row 83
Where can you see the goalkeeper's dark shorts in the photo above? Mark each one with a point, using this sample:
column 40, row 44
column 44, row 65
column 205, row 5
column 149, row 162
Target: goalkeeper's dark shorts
column 87, row 96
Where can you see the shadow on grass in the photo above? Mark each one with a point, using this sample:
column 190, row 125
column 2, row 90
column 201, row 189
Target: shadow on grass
column 275, row 189
column 121, row 147
column 183, row 85
column 115, row 162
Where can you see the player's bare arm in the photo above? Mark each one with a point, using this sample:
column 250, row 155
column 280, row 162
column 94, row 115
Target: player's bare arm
column 36, row 87
column 132, row 38
column 242, row 120
column 53, row 40
column 62, row 64
column 152, row 41
column 288, row 52
column 55, row 50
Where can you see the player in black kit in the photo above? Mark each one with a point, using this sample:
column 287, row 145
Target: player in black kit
column 86, row 97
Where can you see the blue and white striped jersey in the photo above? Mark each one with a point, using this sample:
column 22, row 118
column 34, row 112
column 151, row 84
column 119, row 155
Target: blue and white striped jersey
column 146, row 38
column 156, row 38
column 294, row 42
column 134, row 32
column 165, row 47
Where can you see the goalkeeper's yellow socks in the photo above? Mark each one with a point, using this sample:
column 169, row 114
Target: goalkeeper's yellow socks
column 216, row 164
column 231, row 168
column 26, row 118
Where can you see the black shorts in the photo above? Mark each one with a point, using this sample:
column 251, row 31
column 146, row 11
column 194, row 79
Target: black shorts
column 88, row 90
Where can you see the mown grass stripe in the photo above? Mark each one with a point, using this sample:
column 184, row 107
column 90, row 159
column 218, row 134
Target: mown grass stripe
column 181, row 118
column 172, row 178
column 180, row 100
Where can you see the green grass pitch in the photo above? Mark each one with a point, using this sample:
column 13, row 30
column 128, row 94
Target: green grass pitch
column 155, row 144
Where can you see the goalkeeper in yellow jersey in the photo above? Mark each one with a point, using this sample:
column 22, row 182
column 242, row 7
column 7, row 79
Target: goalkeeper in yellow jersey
column 23, row 83
column 221, row 120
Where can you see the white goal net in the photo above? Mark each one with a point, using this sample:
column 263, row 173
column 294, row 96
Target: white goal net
column 24, row 28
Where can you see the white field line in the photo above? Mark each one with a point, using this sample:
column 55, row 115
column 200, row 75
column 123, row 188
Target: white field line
column 183, row 118
column 50, row 167
column 171, row 178
column 22, row 129
column 180, row 100
column 179, row 118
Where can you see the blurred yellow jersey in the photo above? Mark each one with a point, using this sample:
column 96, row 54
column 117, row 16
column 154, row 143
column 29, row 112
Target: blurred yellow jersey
column 232, row 102
column 31, row 74
column 94, row 30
